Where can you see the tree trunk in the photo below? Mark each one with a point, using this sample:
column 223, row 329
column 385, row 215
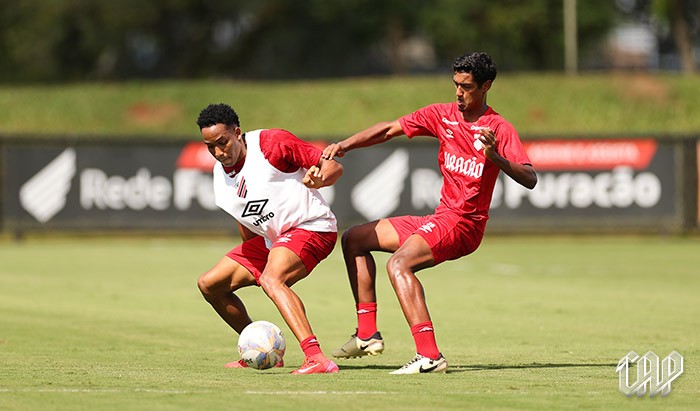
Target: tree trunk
column 395, row 37
column 681, row 35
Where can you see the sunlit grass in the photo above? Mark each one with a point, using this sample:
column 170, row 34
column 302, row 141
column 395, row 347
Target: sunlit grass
column 537, row 104
column 525, row 323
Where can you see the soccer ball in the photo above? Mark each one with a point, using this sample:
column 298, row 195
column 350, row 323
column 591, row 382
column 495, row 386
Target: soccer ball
column 261, row 345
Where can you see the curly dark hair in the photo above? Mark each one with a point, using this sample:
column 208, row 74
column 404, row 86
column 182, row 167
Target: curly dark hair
column 478, row 64
column 218, row 114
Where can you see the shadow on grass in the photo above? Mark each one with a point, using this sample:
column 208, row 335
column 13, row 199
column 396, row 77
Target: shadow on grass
column 367, row 367
column 489, row 367
column 480, row 367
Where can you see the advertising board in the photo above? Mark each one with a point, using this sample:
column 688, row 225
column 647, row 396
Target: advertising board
column 582, row 184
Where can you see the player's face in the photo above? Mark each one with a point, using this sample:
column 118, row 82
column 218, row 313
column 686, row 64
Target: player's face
column 470, row 97
column 224, row 143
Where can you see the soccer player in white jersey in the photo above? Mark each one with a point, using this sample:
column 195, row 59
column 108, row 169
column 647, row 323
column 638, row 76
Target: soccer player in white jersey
column 476, row 143
column 268, row 180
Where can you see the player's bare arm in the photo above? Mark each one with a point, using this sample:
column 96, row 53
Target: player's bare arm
column 323, row 174
column 523, row 174
column 376, row 134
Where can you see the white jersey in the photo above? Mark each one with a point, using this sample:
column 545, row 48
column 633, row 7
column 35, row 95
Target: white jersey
column 268, row 201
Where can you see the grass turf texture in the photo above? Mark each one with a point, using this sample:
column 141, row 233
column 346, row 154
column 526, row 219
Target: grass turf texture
column 525, row 322
column 551, row 104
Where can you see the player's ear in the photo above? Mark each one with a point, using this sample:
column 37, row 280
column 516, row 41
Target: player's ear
column 486, row 86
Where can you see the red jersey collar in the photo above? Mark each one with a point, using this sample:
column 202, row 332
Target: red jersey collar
column 231, row 171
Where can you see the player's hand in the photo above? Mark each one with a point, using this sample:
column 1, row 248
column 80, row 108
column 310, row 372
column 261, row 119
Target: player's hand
column 313, row 178
column 333, row 150
column 488, row 139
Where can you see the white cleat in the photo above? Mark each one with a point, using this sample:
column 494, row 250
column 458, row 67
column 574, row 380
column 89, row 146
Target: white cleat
column 420, row 364
column 357, row 347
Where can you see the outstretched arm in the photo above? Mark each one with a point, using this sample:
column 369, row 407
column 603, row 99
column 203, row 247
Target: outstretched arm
column 524, row 174
column 376, row 134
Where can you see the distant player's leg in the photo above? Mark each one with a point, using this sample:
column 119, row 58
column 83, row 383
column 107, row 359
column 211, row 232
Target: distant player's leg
column 358, row 242
column 284, row 269
column 414, row 255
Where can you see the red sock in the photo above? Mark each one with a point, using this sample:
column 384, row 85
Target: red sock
column 310, row 346
column 366, row 320
column 424, row 336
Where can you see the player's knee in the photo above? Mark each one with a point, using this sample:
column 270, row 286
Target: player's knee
column 351, row 241
column 205, row 286
column 269, row 283
column 396, row 266
column 345, row 239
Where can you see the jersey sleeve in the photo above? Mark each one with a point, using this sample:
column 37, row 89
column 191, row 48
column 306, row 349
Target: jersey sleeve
column 286, row 152
column 420, row 122
column 510, row 145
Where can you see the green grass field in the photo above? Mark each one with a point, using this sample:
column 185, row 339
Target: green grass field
column 525, row 323
column 550, row 104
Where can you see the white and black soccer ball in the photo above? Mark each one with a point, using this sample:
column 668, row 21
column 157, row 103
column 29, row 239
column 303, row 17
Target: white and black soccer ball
column 261, row 345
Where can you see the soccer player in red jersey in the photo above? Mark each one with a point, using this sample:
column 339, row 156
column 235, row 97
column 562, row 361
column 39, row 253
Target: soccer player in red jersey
column 476, row 143
column 267, row 180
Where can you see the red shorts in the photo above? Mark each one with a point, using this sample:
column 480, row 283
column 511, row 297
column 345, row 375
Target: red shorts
column 310, row 246
column 450, row 236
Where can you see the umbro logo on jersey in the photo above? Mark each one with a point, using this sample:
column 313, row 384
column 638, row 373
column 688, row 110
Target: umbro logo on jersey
column 254, row 207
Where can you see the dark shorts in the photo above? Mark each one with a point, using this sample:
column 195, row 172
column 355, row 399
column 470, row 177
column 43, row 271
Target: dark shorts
column 310, row 246
column 450, row 236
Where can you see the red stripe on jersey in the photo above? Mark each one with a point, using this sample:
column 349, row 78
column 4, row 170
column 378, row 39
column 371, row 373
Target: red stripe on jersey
column 242, row 191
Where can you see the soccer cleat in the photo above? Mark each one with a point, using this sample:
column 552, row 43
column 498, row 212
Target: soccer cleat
column 358, row 347
column 317, row 365
column 241, row 364
column 420, row 364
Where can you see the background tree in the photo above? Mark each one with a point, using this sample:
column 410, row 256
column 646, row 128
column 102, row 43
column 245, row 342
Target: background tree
column 75, row 40
column 682, row 18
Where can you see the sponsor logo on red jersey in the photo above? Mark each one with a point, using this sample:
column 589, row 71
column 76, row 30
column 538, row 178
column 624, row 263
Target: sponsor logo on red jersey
column 471, row 167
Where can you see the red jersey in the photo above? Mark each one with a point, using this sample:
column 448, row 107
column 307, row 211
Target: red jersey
column 468, row 177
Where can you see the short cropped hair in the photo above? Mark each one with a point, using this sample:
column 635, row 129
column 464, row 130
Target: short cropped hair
column 218, row 114
column 478, row 64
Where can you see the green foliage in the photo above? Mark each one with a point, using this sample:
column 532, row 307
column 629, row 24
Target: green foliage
column 525, row 323
column 55, row 40
column 523, row 35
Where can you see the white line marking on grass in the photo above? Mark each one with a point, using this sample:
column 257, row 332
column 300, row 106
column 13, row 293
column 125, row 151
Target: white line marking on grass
column 87, row 390
column 319, row 392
